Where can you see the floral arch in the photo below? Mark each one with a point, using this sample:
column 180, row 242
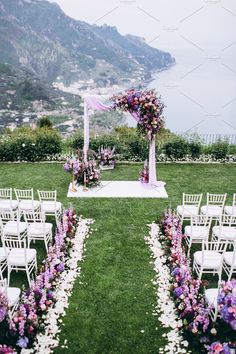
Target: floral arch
column 146, row 108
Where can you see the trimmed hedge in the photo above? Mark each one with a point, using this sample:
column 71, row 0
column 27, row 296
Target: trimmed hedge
column 29, row 145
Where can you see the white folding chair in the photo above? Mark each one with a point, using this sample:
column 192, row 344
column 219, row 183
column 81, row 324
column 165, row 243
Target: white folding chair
column 215, row 205
column 229, row 262
column 211, row 296
column 12, row 295
column 26, row 200
column 6, row 201
column 231, row 209
column 37, row 228
column 226, row 230
column 49, row 204
column 210, row 259
column 19, row 257
column 190, row 206
column 198, row 230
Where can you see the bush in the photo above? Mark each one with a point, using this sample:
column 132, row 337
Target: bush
column 176, row 149
column 219, row 149
column 195, row 149
column 29, row 145
column 44, row 122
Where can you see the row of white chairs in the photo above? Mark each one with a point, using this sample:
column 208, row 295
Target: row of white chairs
column 16, row 236
column 25, row 201
column 218, row 252
column 215, row 206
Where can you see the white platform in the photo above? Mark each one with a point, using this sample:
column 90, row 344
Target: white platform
column 120, row 189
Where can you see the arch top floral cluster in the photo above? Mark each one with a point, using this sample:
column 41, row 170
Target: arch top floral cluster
column 145, row 106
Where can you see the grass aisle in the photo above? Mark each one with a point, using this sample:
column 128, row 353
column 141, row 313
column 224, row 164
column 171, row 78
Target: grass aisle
column 111, row 311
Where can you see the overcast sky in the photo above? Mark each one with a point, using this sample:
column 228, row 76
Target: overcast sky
column 166, row 24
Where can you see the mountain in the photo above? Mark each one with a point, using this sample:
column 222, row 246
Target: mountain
column 37, row 35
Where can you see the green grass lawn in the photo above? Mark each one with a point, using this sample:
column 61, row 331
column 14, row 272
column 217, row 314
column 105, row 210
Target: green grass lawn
column 113, row 300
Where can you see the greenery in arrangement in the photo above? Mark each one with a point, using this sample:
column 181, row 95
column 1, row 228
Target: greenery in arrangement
column 112, row 305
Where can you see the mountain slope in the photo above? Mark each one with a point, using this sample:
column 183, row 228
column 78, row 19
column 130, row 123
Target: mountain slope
column 37, row 34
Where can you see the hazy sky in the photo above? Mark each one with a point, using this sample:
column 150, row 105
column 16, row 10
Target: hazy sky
column 200, row 34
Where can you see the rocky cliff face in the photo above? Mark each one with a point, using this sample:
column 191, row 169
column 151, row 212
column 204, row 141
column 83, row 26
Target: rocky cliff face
column 37, row 35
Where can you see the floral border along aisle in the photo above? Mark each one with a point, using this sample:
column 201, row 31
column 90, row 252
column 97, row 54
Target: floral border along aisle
column 35, row 326
column 180, row 296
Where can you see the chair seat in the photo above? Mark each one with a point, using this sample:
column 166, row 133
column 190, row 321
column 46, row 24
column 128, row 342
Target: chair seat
column 196, row 232
column 211, row 259
column 11, row 227
column 228, row 258
column 211, row 296
column 212, row 210
column 13, row 295
column 50, row 207
column 8, row 205
column 16, row 256
column 38, row 229
column 224, row 232
column 230, row 210
column 27, row 205
column 187, row 210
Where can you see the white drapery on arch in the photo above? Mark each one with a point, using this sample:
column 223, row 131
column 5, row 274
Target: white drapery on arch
column 96, row 102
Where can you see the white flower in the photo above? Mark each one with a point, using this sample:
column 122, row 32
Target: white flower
column 23, row 145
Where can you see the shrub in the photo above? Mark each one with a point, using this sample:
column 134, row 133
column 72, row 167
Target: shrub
column 44, row 122
column 176, row 149
column 29, row 145
column 219, row 149
column 195, row 149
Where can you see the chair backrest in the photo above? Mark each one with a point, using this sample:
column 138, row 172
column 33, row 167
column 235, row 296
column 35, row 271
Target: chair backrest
column 6, row 216
column 22, row 194
column 201, row 220
column 192, row 199
column 34, row 216
column 219, row 245
column 6, row 193
column 216, row 199
column 47, row 195
column 13, row 241
column 228, row 220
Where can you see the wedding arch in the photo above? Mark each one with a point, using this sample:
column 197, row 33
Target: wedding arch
column 145, row 106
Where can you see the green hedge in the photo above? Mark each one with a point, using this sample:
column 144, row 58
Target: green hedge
column 29, row 145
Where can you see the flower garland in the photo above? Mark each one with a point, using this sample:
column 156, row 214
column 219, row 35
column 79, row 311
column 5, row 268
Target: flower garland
column 145, row 106
column 165, row 305
column 186, row 291
column 35, row 321
column 227, row 302
column 144, row 174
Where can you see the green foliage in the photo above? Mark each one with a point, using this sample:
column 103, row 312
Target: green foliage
column 25, row 144
column 219, row 149
column 177, row 148
column 195, row 149
column 44, row 122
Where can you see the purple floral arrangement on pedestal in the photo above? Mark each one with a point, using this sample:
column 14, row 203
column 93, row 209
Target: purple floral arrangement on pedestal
column 144, row 174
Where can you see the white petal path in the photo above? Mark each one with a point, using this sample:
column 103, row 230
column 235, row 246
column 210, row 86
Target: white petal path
column 44, row 343
column 165, row 307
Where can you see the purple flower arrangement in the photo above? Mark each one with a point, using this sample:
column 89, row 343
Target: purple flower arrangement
column 85, row 172
column 106, row 156
column 145, row 106
column 227, row 302
column 3, row 306
column 144, row 174
column 28, row 320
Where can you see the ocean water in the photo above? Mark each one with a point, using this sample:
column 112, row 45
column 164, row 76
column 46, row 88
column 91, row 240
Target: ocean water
column 200, row 97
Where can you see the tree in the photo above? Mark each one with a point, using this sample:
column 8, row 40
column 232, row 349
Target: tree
column 44, row 122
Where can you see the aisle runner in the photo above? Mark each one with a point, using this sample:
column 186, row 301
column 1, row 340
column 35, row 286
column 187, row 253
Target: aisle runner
column 44, row 343
column 120, row 189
